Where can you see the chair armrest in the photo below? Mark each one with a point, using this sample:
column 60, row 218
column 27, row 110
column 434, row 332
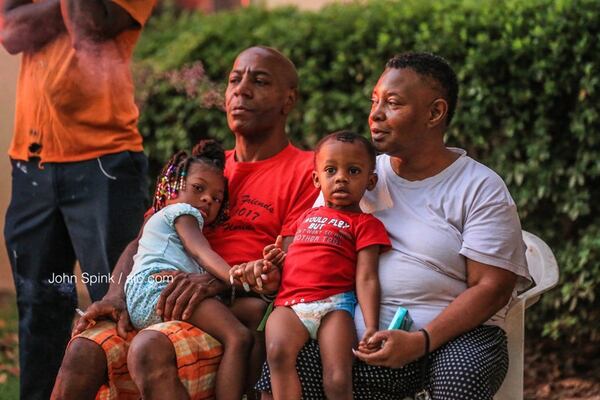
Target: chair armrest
column 542, row 267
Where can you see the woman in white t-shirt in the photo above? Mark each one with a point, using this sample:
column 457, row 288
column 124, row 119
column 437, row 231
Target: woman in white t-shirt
column 457, row 253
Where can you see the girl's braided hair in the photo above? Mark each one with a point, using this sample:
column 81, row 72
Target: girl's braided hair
column 173, row 176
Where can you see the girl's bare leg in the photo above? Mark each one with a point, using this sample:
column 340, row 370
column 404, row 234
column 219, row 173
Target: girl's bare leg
column 250, row 311
column 217, row 320
column 337, row 336
column 285, row 337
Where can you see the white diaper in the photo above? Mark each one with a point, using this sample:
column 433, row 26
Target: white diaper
column 311, row 314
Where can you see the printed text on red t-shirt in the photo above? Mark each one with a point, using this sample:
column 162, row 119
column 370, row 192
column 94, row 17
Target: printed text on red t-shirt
column 313, row 232
column 250, row 209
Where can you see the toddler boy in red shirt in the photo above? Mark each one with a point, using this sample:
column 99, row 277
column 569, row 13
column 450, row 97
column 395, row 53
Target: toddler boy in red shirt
column 331, row 262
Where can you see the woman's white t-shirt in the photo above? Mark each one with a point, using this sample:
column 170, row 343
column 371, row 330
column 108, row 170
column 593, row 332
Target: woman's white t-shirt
column 434, row 224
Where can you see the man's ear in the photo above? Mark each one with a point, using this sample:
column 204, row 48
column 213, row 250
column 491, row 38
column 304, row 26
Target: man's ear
column 315, row 179
column 372, row 181
column 290, row 101
column 438, row 112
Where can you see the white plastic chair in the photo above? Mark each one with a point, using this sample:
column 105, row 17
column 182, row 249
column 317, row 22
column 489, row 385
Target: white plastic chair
column 544, row 271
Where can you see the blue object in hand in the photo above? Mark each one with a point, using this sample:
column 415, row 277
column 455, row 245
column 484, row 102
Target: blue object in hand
column 401, row 320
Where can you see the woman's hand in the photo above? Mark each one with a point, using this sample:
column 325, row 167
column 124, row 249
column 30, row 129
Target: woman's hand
column 392, row 348
column 179, row 299
column 237, row 276
column 113, row 308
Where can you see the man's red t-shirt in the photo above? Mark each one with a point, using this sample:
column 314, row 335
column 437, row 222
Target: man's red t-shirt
column 266, row 199
column 321, row 261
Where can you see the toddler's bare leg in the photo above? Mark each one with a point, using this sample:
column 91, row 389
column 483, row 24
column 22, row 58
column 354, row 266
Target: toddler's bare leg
column 336, row 336
column 285, row 337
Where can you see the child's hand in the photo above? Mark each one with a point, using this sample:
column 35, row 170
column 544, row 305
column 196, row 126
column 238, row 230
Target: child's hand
column 250, row 275
column 276, row 256
column 274, row 253
column 366, row 345
column 254, row 274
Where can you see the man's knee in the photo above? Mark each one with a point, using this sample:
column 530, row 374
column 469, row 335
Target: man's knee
column 83, row 370
column 84, row 356
column 149, row 352
column 152, row 363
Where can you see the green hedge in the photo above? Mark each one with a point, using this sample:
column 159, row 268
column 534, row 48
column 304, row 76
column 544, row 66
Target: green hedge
column 530, row 76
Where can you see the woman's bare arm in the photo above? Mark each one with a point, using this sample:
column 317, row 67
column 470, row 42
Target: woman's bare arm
column 489, row 289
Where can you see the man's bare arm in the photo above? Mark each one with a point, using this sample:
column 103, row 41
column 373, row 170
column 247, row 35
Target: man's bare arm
column 95, row 20
column 122, row 270
column 112, row 305
column 28, row 26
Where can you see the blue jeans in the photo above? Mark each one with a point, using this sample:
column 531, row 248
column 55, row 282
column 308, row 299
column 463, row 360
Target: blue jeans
column 62, row 212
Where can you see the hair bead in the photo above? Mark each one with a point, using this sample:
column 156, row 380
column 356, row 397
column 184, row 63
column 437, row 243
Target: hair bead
column 173, row 176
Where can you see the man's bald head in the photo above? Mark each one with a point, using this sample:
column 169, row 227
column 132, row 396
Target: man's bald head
column 261, row 92
column 285, row 67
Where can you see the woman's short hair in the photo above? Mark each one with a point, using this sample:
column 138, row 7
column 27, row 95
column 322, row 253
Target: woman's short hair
column 436, row 69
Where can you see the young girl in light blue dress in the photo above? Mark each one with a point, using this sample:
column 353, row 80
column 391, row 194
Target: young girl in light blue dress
column 191, row 192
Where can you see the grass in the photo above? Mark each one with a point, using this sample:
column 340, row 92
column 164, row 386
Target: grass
column 9, row 353
column 9, row 370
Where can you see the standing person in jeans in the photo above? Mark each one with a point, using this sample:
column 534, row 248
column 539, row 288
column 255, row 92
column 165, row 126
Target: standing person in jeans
column 79, row 173
column 270, row 186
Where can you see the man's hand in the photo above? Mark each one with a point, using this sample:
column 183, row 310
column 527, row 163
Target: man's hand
column 113, row 308
column 180, row 298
